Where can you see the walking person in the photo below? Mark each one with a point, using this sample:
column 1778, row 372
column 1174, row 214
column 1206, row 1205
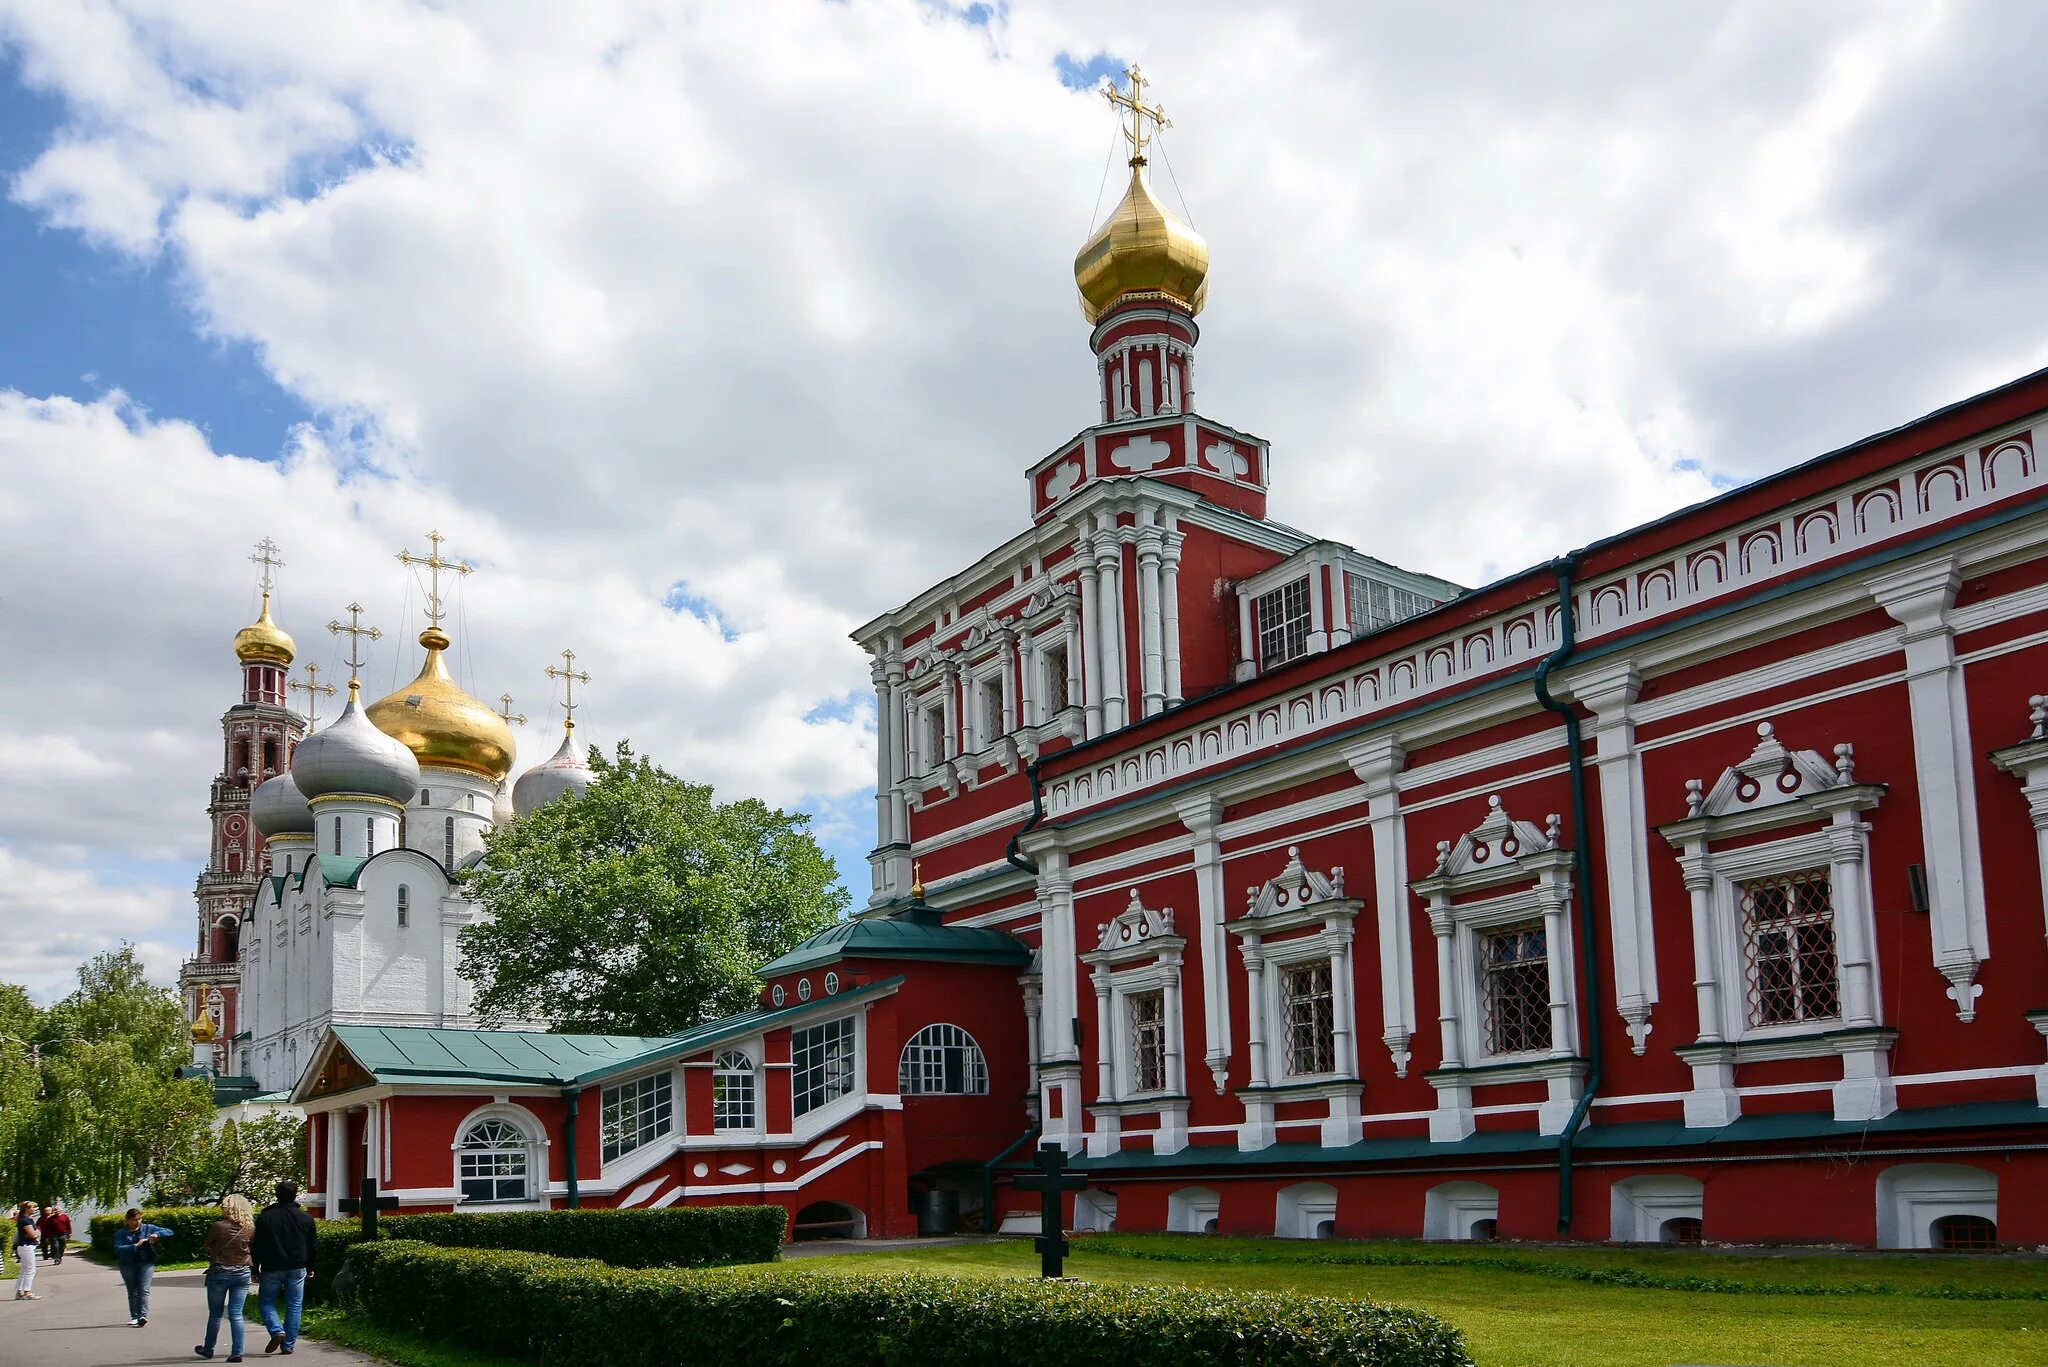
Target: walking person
column 137, row 1245
column 27, row 1235
column 284, row 1248
column 228, row 1272
column 56, row 1231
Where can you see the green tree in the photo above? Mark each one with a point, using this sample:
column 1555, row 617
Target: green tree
column 250, row 1156
column 108, row 1105
column 644, row 906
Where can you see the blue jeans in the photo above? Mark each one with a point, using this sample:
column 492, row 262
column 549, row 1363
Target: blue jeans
column 292, row 1281
column 138, row 1276
column 226, row 1289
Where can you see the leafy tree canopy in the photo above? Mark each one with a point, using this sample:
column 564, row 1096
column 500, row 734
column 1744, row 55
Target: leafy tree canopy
column 642, row 907
column 92, row 1100
column 250, row 1156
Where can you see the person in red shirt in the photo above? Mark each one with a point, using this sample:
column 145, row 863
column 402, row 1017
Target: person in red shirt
column 56, row 1226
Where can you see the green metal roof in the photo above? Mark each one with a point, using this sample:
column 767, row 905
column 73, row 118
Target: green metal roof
column 422, row 1056
column 909, row 932
column 1660, row 1134
column 337, row 871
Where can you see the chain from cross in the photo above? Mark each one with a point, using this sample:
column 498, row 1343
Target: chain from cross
column 366, row 1203
column 266, row 556
column 314, row 691
column 511, row 718
column 1140, row 111
column 356, row 632
column 434, row 564
column 570, row 677
column 1051, row 1182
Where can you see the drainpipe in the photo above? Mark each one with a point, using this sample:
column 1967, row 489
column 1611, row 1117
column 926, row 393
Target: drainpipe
column 988, row 1177
column 1013, row 852
column 1566, row 568
column 571, row 1095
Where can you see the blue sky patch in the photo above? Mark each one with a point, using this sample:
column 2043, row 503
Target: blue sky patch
column 682, row 599
column 1088, row 73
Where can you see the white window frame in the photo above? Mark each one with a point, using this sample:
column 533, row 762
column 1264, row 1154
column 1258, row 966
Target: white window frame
column 614, row 1095
column 523, row 1122
column 1284, row 627
column 1138, row 952
column 855, row 1073
column 911, row 1071
column 1730, row 957
column 721, row 1070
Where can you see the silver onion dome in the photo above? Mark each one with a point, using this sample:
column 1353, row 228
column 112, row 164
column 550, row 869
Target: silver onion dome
column 277, row 807
column 544, row 782
column 352, row 756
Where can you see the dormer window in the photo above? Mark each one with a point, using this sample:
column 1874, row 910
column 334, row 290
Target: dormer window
column 1376, row 604
column 1283, row 623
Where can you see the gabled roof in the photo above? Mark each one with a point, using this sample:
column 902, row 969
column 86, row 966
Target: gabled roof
column 915, row 931
column 417, row 1055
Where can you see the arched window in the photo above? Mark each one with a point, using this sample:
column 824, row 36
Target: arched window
column 337, row 835
column 493, row 1161
column 404, row 905
column 1686, row 1229
column 369, row 835
column 1965, row 1234
column 270, row 755
column 942, row 1060
column 732, row 1091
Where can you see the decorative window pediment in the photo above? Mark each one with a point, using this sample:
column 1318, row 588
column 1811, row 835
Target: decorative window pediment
column 1295, row 895
column 1132, row 931
column 1777, row 786
column 1495, row 846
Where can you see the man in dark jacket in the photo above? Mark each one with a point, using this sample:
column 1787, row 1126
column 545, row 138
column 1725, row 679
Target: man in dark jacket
column 283, row 1250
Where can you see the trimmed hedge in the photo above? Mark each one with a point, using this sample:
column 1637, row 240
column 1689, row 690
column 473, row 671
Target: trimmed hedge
column 545, row 1309
column 702, row 1236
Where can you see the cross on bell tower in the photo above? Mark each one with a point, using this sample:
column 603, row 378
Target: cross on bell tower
column 1139, row 111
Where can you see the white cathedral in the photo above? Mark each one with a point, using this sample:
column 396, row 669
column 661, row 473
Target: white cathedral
column 333, row 896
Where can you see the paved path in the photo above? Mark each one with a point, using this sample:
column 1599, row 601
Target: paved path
column 82, row 1321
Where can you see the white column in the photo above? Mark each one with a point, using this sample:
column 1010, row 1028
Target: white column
column 1152, row 663
column 899, row 804
column 1077, row 688
column 1247, row 638
column 337, row 1162
column 1255, row 1012
column 1105, row 1085
column 1446, row 983
column 1109, row 584
column 1091, row 636
column 1919, row 600
column 1169, row 607
column 1556, row 947
column 1377, row 763
column 1699, row 884
column 1611, row 693
column 885, row 780
column 1852, row 942
column 1030, row 659
column 1176, row 1052
column 1343, row 1029
column 1202, row 815
column 1318, row 625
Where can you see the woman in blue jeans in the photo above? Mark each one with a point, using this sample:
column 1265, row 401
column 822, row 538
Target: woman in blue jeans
column 137, row 1245
column 227, row 1273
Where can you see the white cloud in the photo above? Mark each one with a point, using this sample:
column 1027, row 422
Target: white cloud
column 772, row 302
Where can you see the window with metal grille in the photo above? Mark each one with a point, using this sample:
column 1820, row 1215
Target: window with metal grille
column 1283, row 623
column 448, row 844
column 942, row 1060
column 1514, row 993
column 1310, row 1020
column 1965, row 1233
column 822, row 1064
column 637, row 1112
column 1788, row 943
column 491, row 1162
column 989, row 723
column 732, row 1091
column 931, row 736
column 1055, row 691
column 1375, row 604
column 1148, row 1041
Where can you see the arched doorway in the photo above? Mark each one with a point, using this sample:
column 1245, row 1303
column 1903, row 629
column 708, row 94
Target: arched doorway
column 828, row 1220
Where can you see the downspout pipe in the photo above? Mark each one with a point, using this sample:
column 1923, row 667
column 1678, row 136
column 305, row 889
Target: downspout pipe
column 988, row 1176
column 573, row 1097
column 1013, row 853
column 1566, row 568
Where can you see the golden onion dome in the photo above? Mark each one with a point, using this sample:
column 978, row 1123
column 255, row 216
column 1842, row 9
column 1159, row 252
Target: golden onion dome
column 203, row 1030
column 264, row 641
column 1142, row 252
column 443, row 726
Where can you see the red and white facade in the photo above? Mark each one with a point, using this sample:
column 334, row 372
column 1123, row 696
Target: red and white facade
column 1689, row 887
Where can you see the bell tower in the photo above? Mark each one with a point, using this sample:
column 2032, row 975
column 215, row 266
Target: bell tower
column 257, row 737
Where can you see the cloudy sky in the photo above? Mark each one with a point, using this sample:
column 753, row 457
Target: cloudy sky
column 708, row 331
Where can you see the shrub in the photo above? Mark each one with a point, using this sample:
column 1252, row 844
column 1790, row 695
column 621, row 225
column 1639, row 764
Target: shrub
column 703, row 1236
column 540, row 1308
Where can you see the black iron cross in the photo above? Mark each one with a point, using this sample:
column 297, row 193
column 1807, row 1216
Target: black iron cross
column 1051, row 1181
column 368, row 1202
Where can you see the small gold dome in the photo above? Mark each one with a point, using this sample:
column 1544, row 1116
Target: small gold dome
column 443, row 726
column 202, row 1029
column 1141, row 252
column 264, row 641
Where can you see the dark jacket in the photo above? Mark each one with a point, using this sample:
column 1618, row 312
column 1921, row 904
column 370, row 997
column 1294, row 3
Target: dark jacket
column 286, row 1237
column 227, row 1245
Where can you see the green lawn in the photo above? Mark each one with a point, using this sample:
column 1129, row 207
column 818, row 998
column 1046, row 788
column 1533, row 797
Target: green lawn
column 1524, row 1318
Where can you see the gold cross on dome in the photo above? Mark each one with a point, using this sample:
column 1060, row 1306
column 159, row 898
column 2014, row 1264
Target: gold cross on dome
column 1140, row 111
column 434, row 565
column 314, row 691
column 355, row 631
column 570, row 677
column 266, row 556
column 511, row 718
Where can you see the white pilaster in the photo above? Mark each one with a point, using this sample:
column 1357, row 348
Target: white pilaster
column 1377, row 762
column 1152, row 663
column 1611, row 694
column 1169, row 606
column 1202, row 815
column 1091, row 636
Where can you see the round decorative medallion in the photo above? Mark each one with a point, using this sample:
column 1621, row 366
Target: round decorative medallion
column 701, row 1170
column 780, row 1165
